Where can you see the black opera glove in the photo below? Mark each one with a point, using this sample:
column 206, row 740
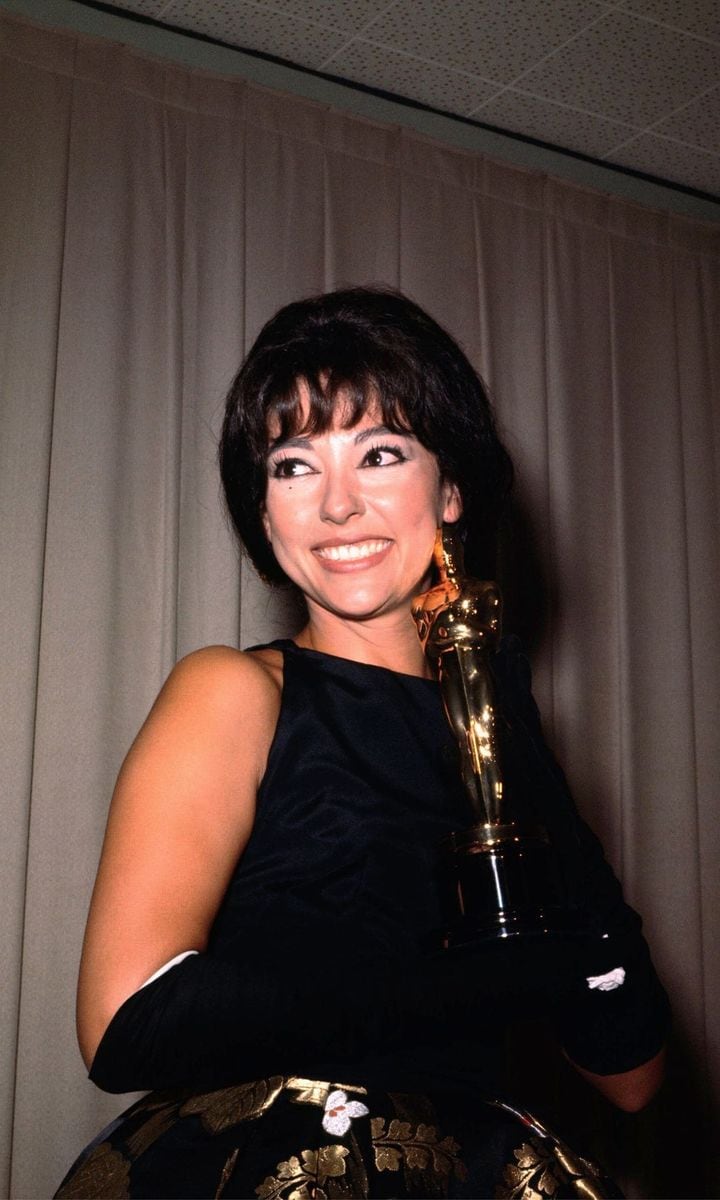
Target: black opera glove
column 618, row 1016
column 620, row 1019
column 208, row 1022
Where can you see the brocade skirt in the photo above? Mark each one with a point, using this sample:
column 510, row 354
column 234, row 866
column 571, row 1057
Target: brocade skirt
column 287, row 1138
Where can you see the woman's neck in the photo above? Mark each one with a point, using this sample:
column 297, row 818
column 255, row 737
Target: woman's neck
column 390, row 641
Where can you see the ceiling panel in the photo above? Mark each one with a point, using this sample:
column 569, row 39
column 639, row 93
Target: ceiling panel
column 701, row 17
column 349, row 16
column 697, row 124
column 245, row 24
column 635, row 83
column 555, row 123
column 405, row 75
column 627, row 69
column 148, row 8
column 494, row 40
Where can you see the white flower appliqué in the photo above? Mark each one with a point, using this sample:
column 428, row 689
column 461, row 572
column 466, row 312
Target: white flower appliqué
column 609, row 981
column 339, row 1112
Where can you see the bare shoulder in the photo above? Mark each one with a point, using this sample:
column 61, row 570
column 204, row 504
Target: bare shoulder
column 224, row 666
column 222, row 673
column 223, row 700
column 223, row 679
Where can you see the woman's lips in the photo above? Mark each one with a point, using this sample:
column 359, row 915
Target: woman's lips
column 352, row 556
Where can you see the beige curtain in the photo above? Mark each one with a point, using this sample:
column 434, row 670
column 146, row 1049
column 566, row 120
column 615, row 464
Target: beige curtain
column 152, row 218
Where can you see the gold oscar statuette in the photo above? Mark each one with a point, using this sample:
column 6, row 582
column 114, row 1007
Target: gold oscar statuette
column 502, row 876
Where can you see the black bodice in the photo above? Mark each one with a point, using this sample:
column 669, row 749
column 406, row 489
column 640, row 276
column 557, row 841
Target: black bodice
column 361, row 785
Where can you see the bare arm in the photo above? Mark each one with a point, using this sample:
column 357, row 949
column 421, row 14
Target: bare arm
column 630, row 1090
column 181, row 814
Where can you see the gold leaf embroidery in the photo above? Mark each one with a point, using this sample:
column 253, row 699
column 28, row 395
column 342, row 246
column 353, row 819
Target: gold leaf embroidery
column 418, row 1157
column 296, row 1180
column 547, row 1182
column 228, row 1106
column 307, row 1192
column 401, row 1131
column 533, row 1178
column 316, row 1091
column 268, row 1187
column 542, row 1167
column 331, row 1160
column 526, row 1156
column 446, row 1158
column 584, row 1174
column 426, row 1133
column 104, row 1174
column 416, row 1148
column 387, row 1158
column 289, row 1169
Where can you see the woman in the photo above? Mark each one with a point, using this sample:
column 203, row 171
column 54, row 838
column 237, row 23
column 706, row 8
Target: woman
column 260, row 949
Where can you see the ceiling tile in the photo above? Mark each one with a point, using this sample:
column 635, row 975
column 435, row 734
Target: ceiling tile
column 148, row 8
column 669, row 160
column 698, row 123
column 345, row 16
column 247, row 25
column 628, row 70
column 496, row 39
column 701, row 17
column 349, row 16
column 429, row 83
column 549, row 122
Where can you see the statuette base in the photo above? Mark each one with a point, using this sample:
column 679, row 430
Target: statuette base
column 502, row 881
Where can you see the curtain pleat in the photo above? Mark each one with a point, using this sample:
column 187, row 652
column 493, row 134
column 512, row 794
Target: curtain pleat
column 32, row 220
column 153, row 218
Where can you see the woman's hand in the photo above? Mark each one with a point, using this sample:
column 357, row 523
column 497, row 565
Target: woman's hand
column 181, row 814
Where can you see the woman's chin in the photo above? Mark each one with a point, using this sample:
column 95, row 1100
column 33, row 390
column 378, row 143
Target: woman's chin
column 350, row 604
column 364, row 595
column 355, row 612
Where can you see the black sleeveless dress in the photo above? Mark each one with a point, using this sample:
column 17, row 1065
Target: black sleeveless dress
column 362, row 783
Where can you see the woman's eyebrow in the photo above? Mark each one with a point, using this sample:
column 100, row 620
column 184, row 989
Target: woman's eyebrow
column 305, row 443
column 380, row 430
column 298, row 443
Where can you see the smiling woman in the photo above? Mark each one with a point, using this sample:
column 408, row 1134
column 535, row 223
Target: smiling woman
column 273, row 834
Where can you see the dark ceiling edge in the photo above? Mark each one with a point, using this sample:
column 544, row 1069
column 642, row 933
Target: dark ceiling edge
column 403, row 101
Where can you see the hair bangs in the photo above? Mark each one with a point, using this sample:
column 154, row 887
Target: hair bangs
column 331, row 397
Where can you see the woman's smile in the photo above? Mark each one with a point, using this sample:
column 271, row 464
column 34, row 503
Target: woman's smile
column 339, row 555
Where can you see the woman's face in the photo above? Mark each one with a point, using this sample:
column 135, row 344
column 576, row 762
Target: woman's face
column 351, row 514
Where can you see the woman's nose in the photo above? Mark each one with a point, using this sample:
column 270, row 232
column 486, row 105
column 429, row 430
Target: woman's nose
column 341, row 498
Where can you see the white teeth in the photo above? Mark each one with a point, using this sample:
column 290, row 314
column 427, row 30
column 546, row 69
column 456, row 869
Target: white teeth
column 355, row 550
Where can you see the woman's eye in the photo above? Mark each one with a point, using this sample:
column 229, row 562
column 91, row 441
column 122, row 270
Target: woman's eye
column 289, row 468
column 383, row 456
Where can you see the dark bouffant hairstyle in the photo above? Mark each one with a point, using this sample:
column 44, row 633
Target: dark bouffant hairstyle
column 363, row 346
